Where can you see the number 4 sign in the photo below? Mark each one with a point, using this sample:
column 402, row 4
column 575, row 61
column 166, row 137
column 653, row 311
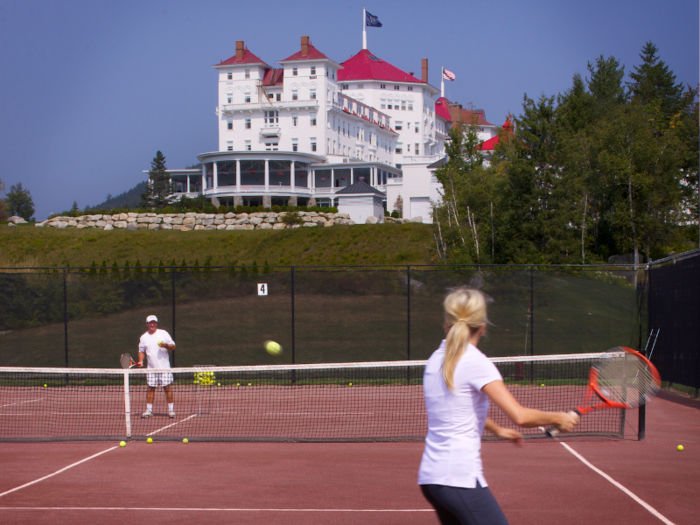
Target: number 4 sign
column 262, row 288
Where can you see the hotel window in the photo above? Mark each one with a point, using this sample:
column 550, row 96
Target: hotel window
column 271, row 118
column 313, row 119
column 417, row 150
column 383, row 105
column 247, row 73
column 295, row 71
column 313, row 143
column 229, row 145
column 247, row 98
column 295, row 144
column 399, row 148
column 295, row 119
column 326, row 70
column 295, row 94
column 382, row 86
column 399, row 126
column 396, row 88
column 403, row 105
column 312, row 94
column 388, row 106
column 328, row 146
column 313, row 70
column 230, row 124
column 410, row 88
column 343, row 86
column 230, row 75
column 279, row 97
column 417, row 128
column 229, row 99
column 247, row 123
column 270, row 96
column 410, row 106
column 271, row 146
column 408, row 149
column 247, row 145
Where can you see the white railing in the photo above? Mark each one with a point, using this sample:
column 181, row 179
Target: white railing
column 270, row 105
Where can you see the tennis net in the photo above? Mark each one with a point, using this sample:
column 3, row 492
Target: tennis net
column 376, row 401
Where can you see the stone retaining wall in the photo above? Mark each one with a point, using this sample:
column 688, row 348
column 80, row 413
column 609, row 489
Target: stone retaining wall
column 200, row 221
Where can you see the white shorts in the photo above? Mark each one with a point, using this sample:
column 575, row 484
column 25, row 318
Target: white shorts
column 159, row 378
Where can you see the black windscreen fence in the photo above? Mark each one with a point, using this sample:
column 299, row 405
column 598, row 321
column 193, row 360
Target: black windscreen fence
column 223, row 316
column 674, row 318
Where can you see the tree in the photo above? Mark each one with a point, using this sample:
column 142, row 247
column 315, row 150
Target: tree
column 398, row 206
column 75, row 208
column 654, row 85
column 19, row 202
column 3, row 208
column 605, row 85
column 159, row 186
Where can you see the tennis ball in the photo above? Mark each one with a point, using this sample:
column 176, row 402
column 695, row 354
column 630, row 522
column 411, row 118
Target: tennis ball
column 185, row 441
column 273, row 348
column 542, row 384
column 44, row 386
column 218, row 384
column 122, row 444
column 680, row 448
column 149, row 440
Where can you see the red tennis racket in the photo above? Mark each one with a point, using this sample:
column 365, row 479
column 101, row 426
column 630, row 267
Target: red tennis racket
column 618, row 381
column 127, row 362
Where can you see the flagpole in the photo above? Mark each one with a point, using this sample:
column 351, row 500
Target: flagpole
column 364, row 28
column 442, row 82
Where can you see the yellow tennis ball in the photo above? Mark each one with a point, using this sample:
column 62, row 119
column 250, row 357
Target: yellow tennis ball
column 218, row 384
column 185, row 441
column 44, row 386
column 122, row 444
column 680, row 448
column 542, row 384
column 273, row 348
column 350, row 384
column 149, row 440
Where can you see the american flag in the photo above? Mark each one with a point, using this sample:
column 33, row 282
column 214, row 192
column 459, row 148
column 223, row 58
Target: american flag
column 449, row 75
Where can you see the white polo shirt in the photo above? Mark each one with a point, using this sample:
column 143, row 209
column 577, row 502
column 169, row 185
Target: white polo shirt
column 157, row 356
column 456, row 420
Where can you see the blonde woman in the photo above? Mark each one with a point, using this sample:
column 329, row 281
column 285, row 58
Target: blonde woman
column 458, row 383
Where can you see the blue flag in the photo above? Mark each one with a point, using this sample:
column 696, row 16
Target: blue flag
column 372, row 21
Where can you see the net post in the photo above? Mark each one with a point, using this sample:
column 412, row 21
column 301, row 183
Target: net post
column 532, row 321
column 408, row 322
column 293, row 334
column 127, row 404
column 65, row 314
column 172, row 279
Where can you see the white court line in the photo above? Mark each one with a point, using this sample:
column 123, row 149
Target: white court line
column 161, row 429
column 57, row 472
column 22, row 402
column 643, row 503
column 191, row 509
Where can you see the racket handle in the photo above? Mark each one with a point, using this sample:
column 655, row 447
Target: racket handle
column 554, row 431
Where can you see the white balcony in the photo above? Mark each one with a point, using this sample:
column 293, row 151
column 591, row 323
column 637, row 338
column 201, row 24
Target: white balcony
column 270, row 131
column 269, row 104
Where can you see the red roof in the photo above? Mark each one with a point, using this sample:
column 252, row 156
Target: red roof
column 442, row 109
column 314, row 54
column 490, row 145
column 366, row 66
column 248, row 58
column 273, row 77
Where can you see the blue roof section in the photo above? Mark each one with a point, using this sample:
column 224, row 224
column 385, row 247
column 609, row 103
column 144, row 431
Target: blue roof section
column 360, row 187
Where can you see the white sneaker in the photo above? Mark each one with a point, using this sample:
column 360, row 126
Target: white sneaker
column 172, row 413
column 147, row 413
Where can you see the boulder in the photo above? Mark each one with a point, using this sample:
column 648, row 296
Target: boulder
column 371, row 220
column 82, row 225
column 198, row 227
column 328, row 223
column 220, row 226
column 264, row 226
column 132, row 226
column 417, row 219
column 108, row 227
column 99, row 224
column 185, row 229
column 166, row 226
column 72, row 224
column 120, row 224
column 279, row 226
column 255, row 221
column 188, row 221
column 142, row 226
column 17, row 219
column 309, row 224
column 153, row 226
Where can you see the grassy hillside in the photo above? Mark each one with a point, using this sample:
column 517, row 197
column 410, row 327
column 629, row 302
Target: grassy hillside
column 26, row 245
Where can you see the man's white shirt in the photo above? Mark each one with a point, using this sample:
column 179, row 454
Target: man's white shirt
column 157, row 355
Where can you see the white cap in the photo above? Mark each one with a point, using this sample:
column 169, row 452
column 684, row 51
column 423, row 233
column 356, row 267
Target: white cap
column 151, row 318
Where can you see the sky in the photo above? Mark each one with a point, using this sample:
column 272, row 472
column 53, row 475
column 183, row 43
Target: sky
column 90, row 90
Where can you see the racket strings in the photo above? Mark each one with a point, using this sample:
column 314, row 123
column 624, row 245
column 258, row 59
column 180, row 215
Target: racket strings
column 627, row 380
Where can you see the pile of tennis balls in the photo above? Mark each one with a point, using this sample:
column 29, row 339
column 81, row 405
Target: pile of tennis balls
column 204, row 378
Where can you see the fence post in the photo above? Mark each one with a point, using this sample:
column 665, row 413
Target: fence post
column 172, row 280
column 65, row 313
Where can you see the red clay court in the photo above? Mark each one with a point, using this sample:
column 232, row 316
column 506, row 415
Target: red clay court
column 584, row 480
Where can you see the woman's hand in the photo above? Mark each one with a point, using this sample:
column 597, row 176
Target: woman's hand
column 566, row 421
column 503, row 432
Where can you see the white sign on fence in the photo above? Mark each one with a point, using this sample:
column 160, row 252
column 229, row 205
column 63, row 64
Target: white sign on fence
column 262, row 289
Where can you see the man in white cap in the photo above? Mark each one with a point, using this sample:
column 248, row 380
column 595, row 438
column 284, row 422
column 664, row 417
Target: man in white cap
column 155, row 344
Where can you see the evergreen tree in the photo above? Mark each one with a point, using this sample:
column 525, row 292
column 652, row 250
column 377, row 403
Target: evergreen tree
column 605, row 85
column 19, row 202
column 159, row 187
column 654, row 85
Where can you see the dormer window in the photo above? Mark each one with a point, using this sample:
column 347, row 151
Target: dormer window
column 247, row 73
column 295, row 71
column 397, row 88
column 382, row 86
column 344, row 86
column 247, row 98
column 313, row 70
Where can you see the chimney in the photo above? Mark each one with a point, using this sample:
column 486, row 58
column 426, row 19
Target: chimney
column 456, row 114
column 424, row 76
column 304, row 46
column 239, row 49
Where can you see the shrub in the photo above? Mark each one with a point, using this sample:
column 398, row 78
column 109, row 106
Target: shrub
column 240, row 208
column 211, row 209
column 276, row 209
column 395, row 214
column 292, row 218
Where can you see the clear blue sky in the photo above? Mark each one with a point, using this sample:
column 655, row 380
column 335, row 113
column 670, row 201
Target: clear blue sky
column 90, row 90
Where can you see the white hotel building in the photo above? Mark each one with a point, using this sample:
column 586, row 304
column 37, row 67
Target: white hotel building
column 354, row 135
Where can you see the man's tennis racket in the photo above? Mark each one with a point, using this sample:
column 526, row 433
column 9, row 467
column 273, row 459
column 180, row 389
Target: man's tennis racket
column 625, row 381
column 127, row 362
